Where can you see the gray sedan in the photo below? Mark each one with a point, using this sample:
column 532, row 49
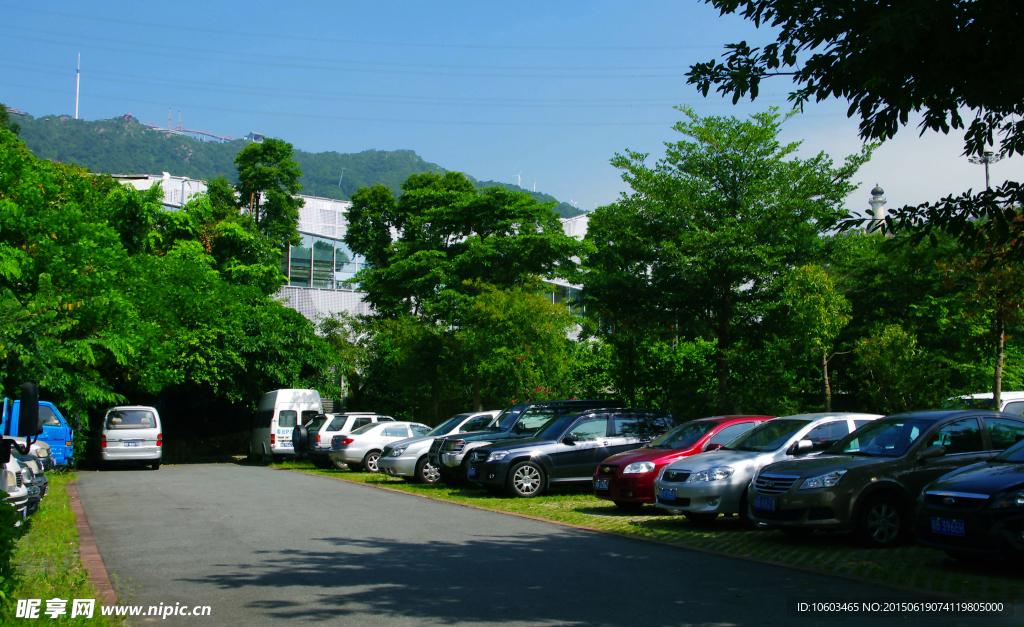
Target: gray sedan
column 408, row 458
column 362, row 447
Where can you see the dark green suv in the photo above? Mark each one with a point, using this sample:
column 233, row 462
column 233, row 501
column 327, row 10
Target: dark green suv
column 868, row 481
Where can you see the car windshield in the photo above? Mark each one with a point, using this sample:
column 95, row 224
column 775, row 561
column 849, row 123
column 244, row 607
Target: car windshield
column 448, row 425
column 683, row 436
column 888, row 437
column 506, row 418
column 363, row 429
column 554, row 428
column 130, row 419
column 768, row 437
column 1013, row 455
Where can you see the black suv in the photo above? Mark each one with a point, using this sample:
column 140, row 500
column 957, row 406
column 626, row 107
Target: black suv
column 517, row 421
column 567, row 448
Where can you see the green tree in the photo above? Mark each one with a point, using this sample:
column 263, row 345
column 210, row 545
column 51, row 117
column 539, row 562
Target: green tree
column 818, row 312
column 899, row 375
column 268, row 182
column 697, row 248
column 939, row 58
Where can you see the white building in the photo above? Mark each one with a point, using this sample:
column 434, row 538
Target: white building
column 318, row 267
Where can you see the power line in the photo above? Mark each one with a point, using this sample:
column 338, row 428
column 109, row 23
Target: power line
column 363, row 42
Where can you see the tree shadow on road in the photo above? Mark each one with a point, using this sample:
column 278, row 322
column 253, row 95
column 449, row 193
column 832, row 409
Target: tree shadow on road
column 560, row 578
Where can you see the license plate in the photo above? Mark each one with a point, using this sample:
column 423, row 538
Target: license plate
column 601, row 484
column 948, row 526
column 667, row 494
column 764, row 502
column 131, row 443
column 286, row 445
column 472, row 472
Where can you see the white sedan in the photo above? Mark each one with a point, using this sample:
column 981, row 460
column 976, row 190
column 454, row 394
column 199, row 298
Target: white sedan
column 362, row 447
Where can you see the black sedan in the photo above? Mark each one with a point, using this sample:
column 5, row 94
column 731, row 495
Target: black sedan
column 976, row 511
column 566, row 449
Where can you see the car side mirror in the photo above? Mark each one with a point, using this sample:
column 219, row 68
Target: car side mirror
column 569, row 439
column 933, row 451
column 801, row 447
column 712, row 447
column 29, row 423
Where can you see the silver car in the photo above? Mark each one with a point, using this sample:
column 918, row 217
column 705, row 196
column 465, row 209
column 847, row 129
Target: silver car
column 408, row 458
column 362, row 447
column 706, row 485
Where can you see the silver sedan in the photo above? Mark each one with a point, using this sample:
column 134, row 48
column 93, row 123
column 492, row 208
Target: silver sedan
column 362, row 447
column 408, row 458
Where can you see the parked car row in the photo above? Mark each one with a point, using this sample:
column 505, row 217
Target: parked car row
column 953, row 478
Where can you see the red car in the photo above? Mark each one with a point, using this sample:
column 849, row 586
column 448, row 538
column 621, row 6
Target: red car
column 628, row 478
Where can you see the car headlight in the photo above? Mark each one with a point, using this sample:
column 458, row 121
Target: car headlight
column 43, row 452
column 827, row 480
column 454, row 446
column 1011, row 500
column 713, row 474
column 12, row 481
column 638, row 468
column 497, row 456
column 397, row 452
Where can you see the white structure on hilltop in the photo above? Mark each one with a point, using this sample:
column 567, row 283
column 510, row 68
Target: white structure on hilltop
column 319, row 265
column 878, row 210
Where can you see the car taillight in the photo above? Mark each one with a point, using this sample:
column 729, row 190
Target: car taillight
column 159, row 439
column 103, row 441
column 318, row 439
column 272, row 439
column 347, row 441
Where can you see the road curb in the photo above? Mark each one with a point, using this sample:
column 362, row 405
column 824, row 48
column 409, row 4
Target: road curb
column 89, row 552
column 676, row 545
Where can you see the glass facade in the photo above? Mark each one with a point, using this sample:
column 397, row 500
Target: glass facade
column 319, row 262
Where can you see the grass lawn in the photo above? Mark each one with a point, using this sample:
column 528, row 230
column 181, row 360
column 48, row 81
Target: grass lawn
column 913, row 567
column 48, row 562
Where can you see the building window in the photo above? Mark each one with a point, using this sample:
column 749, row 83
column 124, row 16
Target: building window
column 301, row 262
column 323, row 262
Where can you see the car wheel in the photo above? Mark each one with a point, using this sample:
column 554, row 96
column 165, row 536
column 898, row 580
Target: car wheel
column 370, row 461
column 700, row 518
column 882, row 522
column 156, row 465
column 629, row 506
column 526, row 480
column 427, row 472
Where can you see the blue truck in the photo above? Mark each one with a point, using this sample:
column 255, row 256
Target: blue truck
column 56, row 430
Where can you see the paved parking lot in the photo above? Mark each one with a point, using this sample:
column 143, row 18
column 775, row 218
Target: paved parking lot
column 268, row 547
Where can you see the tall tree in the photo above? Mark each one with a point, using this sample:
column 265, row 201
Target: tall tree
column 892, row 60
column 818, row 312
column 696, row 248
column 5, row 121
column 268, row 182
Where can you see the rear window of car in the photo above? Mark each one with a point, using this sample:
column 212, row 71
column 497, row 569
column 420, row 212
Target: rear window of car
column 287, row 419
column 363, row 429
column 337, row 424
column 130, row 419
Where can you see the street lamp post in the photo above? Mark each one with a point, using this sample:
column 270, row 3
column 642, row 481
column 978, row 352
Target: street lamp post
column 985, row 158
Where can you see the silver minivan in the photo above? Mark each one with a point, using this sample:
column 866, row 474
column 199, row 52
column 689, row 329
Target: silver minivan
column 132, row 434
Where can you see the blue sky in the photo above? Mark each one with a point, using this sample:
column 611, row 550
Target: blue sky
column 551, row 89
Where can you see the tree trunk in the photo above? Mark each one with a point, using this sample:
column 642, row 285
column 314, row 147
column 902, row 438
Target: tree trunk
column 828, row 387
column 997, row 378
column 477, row 403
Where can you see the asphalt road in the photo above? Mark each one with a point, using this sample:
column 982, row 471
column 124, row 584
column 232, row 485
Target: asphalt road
column 270, row 547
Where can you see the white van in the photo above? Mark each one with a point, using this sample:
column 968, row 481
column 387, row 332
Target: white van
column 132, row 433
column 276, row 415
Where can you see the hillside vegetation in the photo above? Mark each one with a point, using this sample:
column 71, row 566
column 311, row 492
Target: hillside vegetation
column 125, row 146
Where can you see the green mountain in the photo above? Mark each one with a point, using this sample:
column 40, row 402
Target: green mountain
column 125, row 146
